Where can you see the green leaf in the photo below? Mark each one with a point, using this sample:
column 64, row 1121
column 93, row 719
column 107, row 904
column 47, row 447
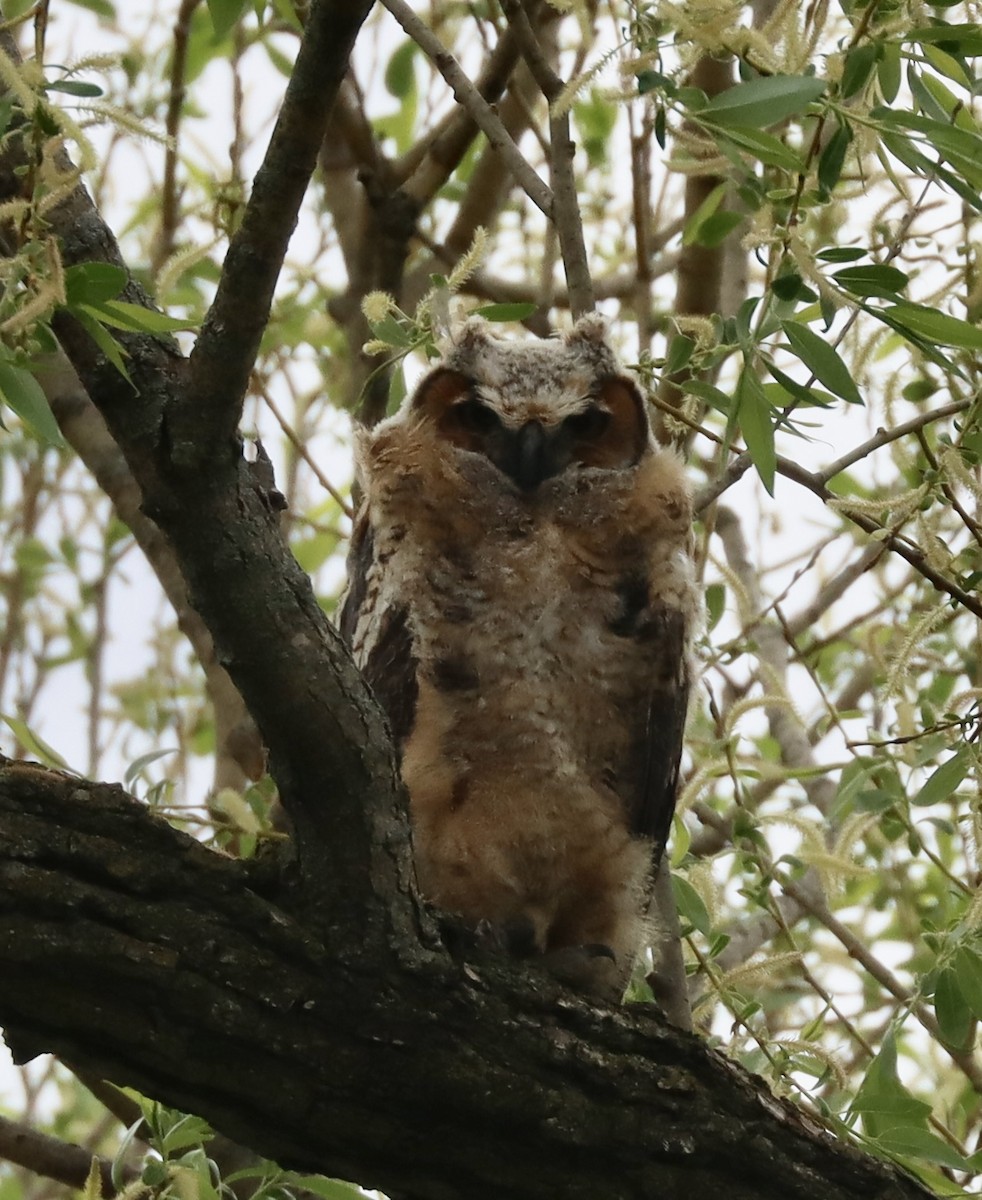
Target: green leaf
column 954, row 1015
column 715, row 604
column 837, row 254
column 680, row 350
column 945, row 64
column 936, row 327
column 74, row 87
column 918, row 1143
column 901, row 147
column 713, row 396
column 138, row 765
column 945, row 780
column 134, row 318
column 763, row 146
column 754, row 419
column 717, row 228
column 822, row 360
column 802, row 394
column 506, row 312
column 832, row 158
column 922, row 1144
column 762, row 102
column 964, row 39
column 101, row 8
column 329, row 1189
column 888, row 72
column 877, row 279
column 400, row 76
column 858, row 67
column 962, row 148
column 704, row 211
column 224, row 14
column 35, row 745
column 22, row 394
column 93, row 282
column 882, row 1099
column 102, row 337
column 691, row 906
column 968, row 972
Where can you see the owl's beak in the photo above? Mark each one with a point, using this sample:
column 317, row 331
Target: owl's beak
column 532, row 460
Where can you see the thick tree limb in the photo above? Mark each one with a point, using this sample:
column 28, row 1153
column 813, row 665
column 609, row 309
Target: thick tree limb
column 328, row 744
column 190, row 985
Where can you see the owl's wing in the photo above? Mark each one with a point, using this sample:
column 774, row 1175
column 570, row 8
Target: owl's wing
column 378, row 634
column 649, row 782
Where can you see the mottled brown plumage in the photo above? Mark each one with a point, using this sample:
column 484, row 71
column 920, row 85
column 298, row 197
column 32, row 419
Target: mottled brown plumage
column 522, row 601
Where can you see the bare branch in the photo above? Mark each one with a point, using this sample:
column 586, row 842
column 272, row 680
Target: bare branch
column 205, row 421
column 54, row 1159
column 565, row 208
column 468, row 95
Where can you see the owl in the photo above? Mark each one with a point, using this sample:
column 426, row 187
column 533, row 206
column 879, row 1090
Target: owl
column 521, row 600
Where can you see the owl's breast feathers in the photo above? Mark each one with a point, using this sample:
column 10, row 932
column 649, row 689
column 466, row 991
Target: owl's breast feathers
column 551, row 629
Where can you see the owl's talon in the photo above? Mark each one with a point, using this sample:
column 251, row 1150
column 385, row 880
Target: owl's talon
column 590, row 968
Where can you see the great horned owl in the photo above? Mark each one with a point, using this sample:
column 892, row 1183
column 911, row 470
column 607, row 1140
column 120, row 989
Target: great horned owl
column 521, row 600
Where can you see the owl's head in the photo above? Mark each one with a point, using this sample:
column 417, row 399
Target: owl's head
column 536, row 408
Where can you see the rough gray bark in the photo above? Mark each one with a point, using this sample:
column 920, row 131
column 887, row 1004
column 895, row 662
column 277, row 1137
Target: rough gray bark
column 136, row 953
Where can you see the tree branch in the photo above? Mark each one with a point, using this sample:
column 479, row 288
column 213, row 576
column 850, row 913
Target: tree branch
column 206, row 418
column 468, row 95
column 53, row 1158
column 327, row 1060
column 329, row 748
column 565, row 208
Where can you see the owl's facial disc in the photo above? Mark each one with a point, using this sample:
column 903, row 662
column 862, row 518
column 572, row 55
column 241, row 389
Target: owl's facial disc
column 608, row 430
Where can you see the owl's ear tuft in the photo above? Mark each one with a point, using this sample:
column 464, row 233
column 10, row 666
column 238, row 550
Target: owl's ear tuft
column 626, row 434
column 438, row 391
column 590, row 328
column 587, row 340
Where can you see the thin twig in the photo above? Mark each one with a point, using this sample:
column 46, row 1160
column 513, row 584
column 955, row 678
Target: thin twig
column 164, row 244
column 300, row 447
column 467, row 94
column 565, row 210
column 54, row 1159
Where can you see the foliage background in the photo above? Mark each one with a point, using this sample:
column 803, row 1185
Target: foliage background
column 791, row 265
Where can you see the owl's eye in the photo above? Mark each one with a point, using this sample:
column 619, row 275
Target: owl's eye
column 588, row 424
column 476, row 417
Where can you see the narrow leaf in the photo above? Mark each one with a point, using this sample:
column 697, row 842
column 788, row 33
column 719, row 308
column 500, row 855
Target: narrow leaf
column 691, row 906
column 953, row 1013
column 859, row 64
column 968, row 972
column 22, row 394
column 754, row 419
column 945, row 780
column 224, row 14
column 35, row 745
column 93, row 282
column 919, row 1143
column 763, row 146
column 102, row 338
column 702, row 213
column 877, row 279
column 936, row 326
column 74, row 87
column 762, row 102
column 822, row 360
column 506, row 312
